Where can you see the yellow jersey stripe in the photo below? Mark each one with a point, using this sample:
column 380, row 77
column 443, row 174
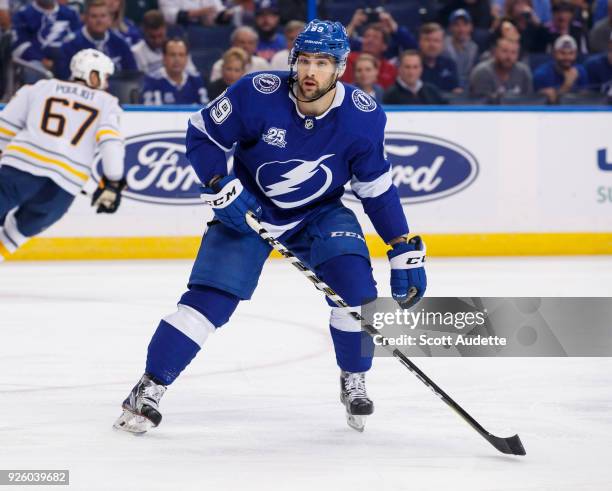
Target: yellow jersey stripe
column 4, row 252
column 101, row 133
column 47, row 160
column 4, row 131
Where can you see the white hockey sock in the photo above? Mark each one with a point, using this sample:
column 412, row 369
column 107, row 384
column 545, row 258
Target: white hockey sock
column 191, row 323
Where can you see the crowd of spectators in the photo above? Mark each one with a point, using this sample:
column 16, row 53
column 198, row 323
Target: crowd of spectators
column 402, row 51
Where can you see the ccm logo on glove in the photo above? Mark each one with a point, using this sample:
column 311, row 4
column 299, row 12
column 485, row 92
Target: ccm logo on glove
column 225, row 195
column 409, row 260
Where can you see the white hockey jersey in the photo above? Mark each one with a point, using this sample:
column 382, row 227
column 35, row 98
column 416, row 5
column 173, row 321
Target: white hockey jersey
column 53, row 129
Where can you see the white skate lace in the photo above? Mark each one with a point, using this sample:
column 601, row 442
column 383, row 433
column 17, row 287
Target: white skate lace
column 151, row 393
column 355, row 386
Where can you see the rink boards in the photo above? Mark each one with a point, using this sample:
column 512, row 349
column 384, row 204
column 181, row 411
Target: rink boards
column 473, row 181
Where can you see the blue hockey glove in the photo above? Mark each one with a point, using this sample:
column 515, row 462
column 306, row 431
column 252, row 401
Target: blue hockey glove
column 408, row 279
column 230, row 202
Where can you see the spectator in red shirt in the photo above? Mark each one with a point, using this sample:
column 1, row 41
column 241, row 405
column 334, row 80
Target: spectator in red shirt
column 375, row 43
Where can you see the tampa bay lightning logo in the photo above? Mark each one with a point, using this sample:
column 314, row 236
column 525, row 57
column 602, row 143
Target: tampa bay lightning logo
column 52, row 32
column 294, row 182
column 266, row 83
column 363, row 101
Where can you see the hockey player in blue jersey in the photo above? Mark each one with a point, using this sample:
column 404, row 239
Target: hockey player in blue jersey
column 300, row 137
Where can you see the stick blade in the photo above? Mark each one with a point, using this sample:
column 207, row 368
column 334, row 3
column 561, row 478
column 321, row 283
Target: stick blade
column 511, row 445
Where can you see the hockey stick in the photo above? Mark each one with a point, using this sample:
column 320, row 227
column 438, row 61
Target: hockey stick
column 510, row 445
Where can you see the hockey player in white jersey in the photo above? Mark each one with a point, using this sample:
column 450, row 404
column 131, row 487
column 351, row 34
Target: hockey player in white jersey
column 49, row 134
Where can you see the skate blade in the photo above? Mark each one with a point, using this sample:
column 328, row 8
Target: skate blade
column 356, row 422
column 133, row 423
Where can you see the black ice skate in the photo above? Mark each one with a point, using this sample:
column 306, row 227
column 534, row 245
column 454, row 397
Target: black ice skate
column 355, row 398
column 140, row 409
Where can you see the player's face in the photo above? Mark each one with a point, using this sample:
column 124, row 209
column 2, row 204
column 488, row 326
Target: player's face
column 97, row 20
column 506, row 54
column 365, row 73
column 232, row 70
column 94, row 80
column 246, row 41
column 315, row 74
column 175, row 57
column 411, row 69
column 155, row 37
column 565, row 58
column 432, row 44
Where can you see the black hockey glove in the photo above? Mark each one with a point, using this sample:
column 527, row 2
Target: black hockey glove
column 108, row 195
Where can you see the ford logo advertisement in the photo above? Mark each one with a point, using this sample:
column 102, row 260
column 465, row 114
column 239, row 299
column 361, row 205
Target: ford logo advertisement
column 426, row 168
column 157, row 170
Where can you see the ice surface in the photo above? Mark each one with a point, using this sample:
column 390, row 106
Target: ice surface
column 259, row 409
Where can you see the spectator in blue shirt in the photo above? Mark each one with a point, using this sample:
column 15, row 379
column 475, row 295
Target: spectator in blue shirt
column 599, row 71
column 96, row 34
column 562, row 75
column 122, row 26
column 173, row 84
column 267, row 19
column 38, row 30
column 438, row 70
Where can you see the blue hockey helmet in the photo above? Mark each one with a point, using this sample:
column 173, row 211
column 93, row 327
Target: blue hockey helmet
column 325, row 37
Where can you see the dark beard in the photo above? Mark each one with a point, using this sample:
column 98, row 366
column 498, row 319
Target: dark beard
column 320, row 92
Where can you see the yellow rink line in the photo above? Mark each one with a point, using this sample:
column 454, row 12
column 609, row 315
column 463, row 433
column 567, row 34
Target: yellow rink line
column 519, row 244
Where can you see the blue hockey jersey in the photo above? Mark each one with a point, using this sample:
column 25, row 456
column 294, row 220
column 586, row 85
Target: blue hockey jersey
column 159, row 89
column 36, row 32
column 294, row 163
column 111, row 45
column 131, row 35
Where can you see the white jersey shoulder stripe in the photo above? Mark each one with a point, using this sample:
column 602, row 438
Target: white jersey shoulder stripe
column 372, row 189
